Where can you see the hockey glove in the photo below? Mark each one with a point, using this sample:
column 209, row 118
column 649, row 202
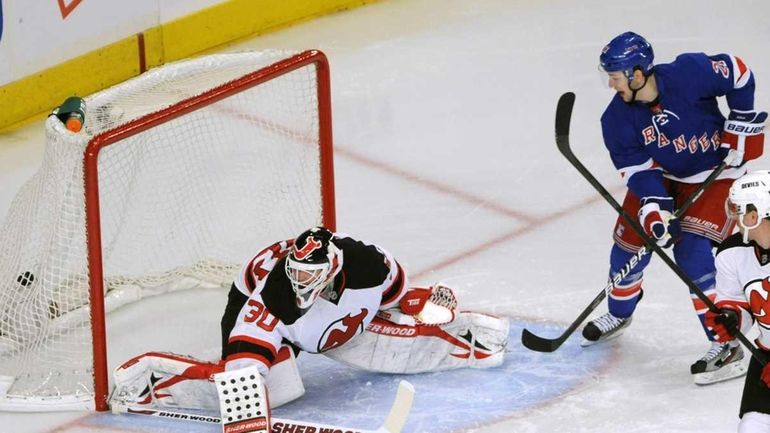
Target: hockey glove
column 435, row 305
column 765, row 375
column 724, row 324
column 743, row 136
column 658, row 221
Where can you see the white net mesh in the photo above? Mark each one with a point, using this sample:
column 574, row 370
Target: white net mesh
column 182, row 205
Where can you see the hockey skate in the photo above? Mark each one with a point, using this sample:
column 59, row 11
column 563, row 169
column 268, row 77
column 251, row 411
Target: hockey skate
column 604, row 328
column 486, row 337
column 720, row 363
column 132, row 386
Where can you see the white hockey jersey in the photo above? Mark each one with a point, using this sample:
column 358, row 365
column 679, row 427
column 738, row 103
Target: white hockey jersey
column 743, row 279
column 370, row 280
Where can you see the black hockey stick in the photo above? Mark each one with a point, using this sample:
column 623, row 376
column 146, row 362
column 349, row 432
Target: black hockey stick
column 562, row 140
column 563, row 117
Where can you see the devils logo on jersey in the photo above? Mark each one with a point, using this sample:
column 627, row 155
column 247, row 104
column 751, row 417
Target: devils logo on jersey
column 341, row 331
column 757, row 295
column 311, row 244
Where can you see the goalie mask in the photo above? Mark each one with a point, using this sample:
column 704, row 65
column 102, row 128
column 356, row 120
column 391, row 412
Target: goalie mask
column 312, row 264
column 749, row 193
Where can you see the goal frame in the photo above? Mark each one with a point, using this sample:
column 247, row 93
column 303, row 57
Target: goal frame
column 107, row 138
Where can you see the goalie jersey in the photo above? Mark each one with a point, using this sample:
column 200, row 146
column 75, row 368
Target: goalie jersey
column 678, row 135
column 743, row 279
column 370, row 280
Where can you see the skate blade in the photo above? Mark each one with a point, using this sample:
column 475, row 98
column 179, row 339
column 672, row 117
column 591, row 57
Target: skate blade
column 729, row 371
column 586, row 343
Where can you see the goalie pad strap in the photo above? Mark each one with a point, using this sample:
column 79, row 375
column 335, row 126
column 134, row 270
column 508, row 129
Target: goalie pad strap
column 165, row 380
column 472, row 340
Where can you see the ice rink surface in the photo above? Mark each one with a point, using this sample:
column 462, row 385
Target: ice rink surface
column 444, row 154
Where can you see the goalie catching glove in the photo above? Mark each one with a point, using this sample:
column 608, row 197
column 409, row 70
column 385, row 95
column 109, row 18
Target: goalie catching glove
column 435, row 305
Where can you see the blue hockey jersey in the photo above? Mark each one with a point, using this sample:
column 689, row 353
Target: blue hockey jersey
column 678, row 137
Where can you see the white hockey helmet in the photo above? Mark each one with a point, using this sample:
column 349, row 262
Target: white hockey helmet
column 312, row 264
column 750, row 192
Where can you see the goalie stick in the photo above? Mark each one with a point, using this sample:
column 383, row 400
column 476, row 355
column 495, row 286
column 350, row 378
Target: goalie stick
column 394, row 422
column 563, row 117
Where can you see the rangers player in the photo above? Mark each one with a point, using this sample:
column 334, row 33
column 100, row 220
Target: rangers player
column 743, row 290
column 322, row 292
column 665, row 134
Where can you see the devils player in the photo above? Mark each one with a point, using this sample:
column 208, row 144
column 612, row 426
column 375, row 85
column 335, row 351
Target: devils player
column 665, row 134
column 322, row 292
column 743, row 290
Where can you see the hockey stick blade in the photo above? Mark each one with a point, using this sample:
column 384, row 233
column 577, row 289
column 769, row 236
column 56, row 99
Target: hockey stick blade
column 564, row 114
column 541, row 344
column 394, row 422
column 547, row 345
column 399, row 412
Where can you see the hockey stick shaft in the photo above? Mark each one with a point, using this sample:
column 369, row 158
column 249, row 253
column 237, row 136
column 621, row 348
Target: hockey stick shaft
column 563, row 119
column 563, row 143
column 394, row 423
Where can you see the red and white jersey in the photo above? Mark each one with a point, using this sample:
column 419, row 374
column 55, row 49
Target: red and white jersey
column 743, row 279
column 370, row 280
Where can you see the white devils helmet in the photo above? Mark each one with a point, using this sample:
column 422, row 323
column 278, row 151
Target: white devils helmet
column 749, row 192
column 312, row 264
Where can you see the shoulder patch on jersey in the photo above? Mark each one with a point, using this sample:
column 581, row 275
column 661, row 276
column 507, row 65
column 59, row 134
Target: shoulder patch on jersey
column 763, row 255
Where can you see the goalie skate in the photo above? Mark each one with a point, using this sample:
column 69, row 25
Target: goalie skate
column 720, row 363
column 162, row 379
column 487, row 338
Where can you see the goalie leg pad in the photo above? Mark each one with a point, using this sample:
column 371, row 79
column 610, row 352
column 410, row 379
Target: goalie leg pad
column 243, row 401
column 473, row 340
column 167, row 380
column 283, row 380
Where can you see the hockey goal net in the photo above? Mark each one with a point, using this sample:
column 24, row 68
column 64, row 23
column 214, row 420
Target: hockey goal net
column 178, row 176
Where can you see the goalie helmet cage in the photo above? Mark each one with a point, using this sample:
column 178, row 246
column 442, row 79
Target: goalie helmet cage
column 178, row 176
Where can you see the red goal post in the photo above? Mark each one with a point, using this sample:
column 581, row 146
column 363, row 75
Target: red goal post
column 186, row 170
